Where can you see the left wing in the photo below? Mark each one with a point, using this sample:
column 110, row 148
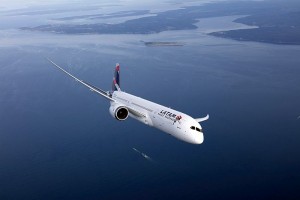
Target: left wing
column 91, row 87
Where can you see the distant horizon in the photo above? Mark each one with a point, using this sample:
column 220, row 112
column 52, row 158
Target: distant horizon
column 21, row 4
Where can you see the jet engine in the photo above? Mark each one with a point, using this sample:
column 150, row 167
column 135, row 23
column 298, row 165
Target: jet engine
column 118, row 111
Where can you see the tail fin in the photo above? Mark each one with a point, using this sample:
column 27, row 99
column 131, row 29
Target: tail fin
column 116, row 79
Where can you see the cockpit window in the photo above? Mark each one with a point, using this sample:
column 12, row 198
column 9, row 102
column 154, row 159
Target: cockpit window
column 198, row 129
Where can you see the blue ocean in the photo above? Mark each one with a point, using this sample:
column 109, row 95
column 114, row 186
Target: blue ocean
column 58, row 140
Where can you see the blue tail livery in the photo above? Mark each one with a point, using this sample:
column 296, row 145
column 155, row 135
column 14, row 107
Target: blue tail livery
column 116, row 79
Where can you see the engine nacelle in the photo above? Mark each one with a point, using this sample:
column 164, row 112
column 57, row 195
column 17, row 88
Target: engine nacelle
column 119, row 112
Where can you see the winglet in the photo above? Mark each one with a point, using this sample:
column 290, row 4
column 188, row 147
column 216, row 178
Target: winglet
column 202, row 119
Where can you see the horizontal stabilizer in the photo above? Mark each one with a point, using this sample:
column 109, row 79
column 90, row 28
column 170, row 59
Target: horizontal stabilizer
column 202, row 119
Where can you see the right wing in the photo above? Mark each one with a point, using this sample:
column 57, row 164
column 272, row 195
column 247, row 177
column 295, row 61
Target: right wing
column 91, row 87
column 202, row 119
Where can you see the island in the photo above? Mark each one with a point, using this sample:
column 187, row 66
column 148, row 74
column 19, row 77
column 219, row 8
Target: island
column 277, row 22
column 157, row 44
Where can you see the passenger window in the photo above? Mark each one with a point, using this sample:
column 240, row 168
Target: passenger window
column 193, row 127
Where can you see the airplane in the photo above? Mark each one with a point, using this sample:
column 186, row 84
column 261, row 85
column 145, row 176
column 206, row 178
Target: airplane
column 122, row 105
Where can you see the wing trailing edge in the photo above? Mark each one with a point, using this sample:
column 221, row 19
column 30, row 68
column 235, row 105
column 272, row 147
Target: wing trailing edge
column 91, row 87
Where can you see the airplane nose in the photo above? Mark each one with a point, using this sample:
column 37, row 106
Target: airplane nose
column 199, row 138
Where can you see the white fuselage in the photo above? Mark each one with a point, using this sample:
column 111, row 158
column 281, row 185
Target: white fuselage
column 175, row 123
column 163, row 118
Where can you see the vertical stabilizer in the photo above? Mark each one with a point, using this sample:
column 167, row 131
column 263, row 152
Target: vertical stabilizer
column 116, row 78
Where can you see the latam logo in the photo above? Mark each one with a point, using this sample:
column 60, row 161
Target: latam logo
column 169, row 115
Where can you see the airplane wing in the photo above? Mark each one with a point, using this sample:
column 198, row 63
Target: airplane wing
column 91, row 87
column 136, row 112
column 202, row 119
